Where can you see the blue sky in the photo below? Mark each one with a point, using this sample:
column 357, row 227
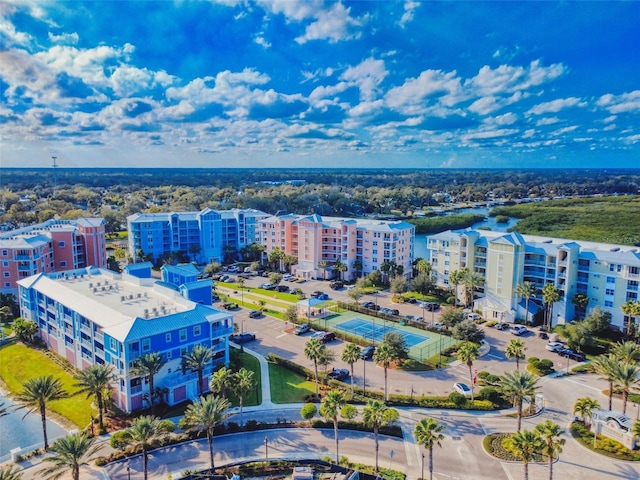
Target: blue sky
column 291, row 83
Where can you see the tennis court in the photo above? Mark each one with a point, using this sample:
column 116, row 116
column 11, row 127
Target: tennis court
column 376, row 329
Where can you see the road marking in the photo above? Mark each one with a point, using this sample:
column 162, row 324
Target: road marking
column 283, row 335
column 583, row 385
column 499, row 357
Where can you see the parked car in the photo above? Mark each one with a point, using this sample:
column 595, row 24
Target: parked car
column 230, row 306
column 567, row 352
column 394, row 311
column 267, row 286
column 303, row 328
column 554, row 346
column 369, row 305
column 255, row 314
column 367, row 352
column 336, row 285
column 338, row 374
column 518, row 330
column 224, row 278
column 286, row 277
column 323, row 296
column 282, row 288
column 243, row 337
column 462, row 388
column 327, row 337
column 318, row 336
column 502, row 326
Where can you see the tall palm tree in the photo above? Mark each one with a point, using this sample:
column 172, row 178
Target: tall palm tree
column 70, row 453
column 467, row 353
column 550, row 295
column 471, row 281
column 526, row 290
column 350, row 355
column 427, row 433
column 517, row 386
column 313, row 350
column 221, row 381
column 635, row 430
column 584, row 407
column 384, row 355
column 526, row 445
column 626, row 352
column 375, row 414
column 515, row 349
column 631, row 309
column 196, row 360
column 423, row 266
column 12, row 472
column 357, row 266
column 626, row 378
column 340, row 267
column 606, row 365
column 243, row 384
column 36, row 393
column 94, row 381
column 550, row 433
column 148, row 366
column 331, row 405
column 205, row 414
column 322, row 265
column 455, row 279
column 142, row 432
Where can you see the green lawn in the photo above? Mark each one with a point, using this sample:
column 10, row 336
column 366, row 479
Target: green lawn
column 288, row 387
column 252, row 364
column 19, row 363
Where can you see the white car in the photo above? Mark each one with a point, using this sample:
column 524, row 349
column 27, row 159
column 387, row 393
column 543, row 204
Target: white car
column 462, row 388
column 554, row 346
column 286, row 277
column 518, row 330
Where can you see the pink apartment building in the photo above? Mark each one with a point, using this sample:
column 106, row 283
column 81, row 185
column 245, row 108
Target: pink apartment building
column 51, row 246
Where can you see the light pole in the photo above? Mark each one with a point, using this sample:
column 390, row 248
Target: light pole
column 266, row 447
column 364, row 377
column 128, row 472
column 422, row 475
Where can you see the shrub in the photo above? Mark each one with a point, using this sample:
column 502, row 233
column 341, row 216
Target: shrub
column 489, row 393
column 532, row 360
column 458, row 399
column 541, row 367
column 117, row 440
column 492, row 323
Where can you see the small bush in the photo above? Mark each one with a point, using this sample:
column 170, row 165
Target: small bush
column 492, row 323
column 489, row 393
column 458, row 399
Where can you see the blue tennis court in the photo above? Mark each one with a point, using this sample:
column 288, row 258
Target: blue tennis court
column 375, row 330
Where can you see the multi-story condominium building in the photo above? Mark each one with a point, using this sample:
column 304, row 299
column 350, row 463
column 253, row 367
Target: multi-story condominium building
column 96, row 316
column 609, row 275
column 51, row 246
column 360, row 244
column 204, row 236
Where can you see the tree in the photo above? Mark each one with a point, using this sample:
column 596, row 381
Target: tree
column 329, row 409
column 626, row 352
column 517, row 386
column 605, row 366
column 70, row 453
column 385, row 356
column 455, row 279
column 635, row 431
column 584, row 407
column 631, row 309
column 398, row 344
column 525, row 445
column 313, row 350
column 423, row 283
column 357, row 267
column 322, row 265
column 350, row 355
column 626, row 378
column 340, row 267
column 598, row 321
column 221, row 381
column 398, row 285
column 526, row 290
column 213, row 268
column 291, row 314
column 423, row 266
column 375, row 414
column 12, row 472
column 550, row 433
column 467, row 353
column 427, row 433
column 196, row 360
column 142, row 432
column 205, row 414
column 25, row 329
column 581, row 301
column 516, row 349
column 326, row 358
column 93, row 381
column 39, row 391
column 550, row 295
column 243, row 384
column 308, row 411
column 471, row 281
column 148, row 366
column 451, row 317
column 468, row 331
column 356, row 294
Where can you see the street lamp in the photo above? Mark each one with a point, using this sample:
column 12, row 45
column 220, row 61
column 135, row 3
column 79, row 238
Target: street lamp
column 266, row 447
column 128, row 472
column 422, row 475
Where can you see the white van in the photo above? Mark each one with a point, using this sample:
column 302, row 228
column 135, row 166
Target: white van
column 473, row 316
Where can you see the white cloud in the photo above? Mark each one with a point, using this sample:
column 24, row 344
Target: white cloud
column 547, row 121
column 65, row 38
column 260, row 40
column 412, row 96
column 626, row 102
column 409, row 11
column 485, row 134
column 506, row 119
column 367, row 76
column 11, row 36
column 508, row 79
column 554, row 106
column 562, row 131
column 334, row 25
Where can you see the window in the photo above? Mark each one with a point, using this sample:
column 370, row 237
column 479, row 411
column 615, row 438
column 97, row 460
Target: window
column 112, row 344
column 61, row 244
column 5, row 264
column 63, row 263
column 7, row 274
column 7, row 284
column 167, row 337
column 609, row 291
column 146, row 344
column 196, row 330
column 183, row 334
column 611, row 279
column 5, row 253
column 608, row 303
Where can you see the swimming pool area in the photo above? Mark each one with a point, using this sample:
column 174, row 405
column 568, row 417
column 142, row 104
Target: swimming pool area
column 375, row 329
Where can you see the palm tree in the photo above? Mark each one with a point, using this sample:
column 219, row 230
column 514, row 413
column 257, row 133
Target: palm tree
column 221, row 381
column 385, row 355
column 357, row 266
column 455, row 279
column 243, row 384
column 313, row 350
column 196, row 360
column 517, row 386
column 550, row 295
column 525, row 445
column 70, row 453
column 331, row 405
column 350, row 355
column 635, row 431
column 584, row 407
column 471, row 281
column 423, row 266
column 340, row 267
column 142, row 432
column 467, row 353
column 631, row 309
column 516, row 349
column 606, row 365
column 95, row 381
column 549, row 432
column 205, row 414
column 526, row 290
column 626, row 378
column 147, row 366
column 626, row 352
column 376, row 414
column 427, row 433
column 322, row 265
column 36, row 393
column 11, row 473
